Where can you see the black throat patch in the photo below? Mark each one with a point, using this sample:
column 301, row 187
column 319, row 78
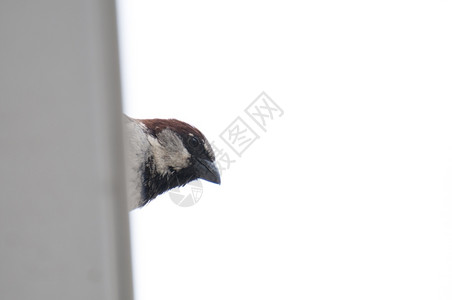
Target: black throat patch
column 154, row 184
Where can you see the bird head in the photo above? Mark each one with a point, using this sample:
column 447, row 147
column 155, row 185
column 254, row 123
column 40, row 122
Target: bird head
column 179, row 153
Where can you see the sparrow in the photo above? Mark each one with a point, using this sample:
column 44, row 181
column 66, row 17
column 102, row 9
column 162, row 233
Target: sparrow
column 163, row 154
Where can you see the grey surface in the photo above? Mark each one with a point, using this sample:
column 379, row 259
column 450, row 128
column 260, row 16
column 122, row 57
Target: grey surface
column 63, row 219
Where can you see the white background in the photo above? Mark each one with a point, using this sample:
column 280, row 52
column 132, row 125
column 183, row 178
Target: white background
column 348, row 194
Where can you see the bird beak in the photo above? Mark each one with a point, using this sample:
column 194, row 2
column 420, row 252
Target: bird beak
column 207, row 170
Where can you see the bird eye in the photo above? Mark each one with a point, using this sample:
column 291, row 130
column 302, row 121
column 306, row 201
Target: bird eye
column 193, row 142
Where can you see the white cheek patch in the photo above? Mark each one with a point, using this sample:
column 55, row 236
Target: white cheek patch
column 168, row 152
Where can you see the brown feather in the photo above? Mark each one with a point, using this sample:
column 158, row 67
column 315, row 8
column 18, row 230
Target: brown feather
column 155, row 126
